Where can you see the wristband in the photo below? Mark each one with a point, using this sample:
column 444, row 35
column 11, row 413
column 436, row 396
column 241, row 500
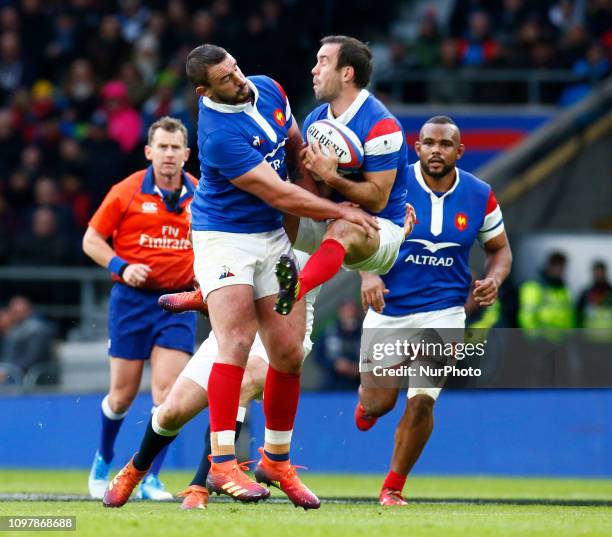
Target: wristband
column 117, row 265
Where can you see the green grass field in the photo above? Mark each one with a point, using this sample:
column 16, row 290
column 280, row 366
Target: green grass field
column 419, row 518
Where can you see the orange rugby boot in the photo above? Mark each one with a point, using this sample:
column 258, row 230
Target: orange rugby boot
column 229, row 478
column 120, row 488
column 362, row 420
column 195, row 497
column 391, row 497
column 283, row 475
column 182, row 302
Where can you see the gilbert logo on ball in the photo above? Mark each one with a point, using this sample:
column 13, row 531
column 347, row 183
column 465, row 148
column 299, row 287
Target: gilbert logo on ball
column 343, row 141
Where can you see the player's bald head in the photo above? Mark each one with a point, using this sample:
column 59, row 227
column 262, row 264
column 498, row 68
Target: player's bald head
column 200, row 59
column 441, row 122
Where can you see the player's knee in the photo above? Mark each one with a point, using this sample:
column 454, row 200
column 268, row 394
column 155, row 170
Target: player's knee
column 120, row 402
column 420, row 410
column 341, row 230
column 289, row 358
column 170, row 417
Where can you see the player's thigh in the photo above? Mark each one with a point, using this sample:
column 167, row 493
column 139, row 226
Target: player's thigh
column 378, row 401
column 282, row 335
column 234, row 321
column 125, row 376
column 185, row 400
column 166, row 365
column 354, row 239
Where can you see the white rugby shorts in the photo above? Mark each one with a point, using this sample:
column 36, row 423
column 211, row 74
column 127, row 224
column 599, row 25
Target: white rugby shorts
column 222, row 259
column 411, row 327
column 198, row 368
column 311, row 232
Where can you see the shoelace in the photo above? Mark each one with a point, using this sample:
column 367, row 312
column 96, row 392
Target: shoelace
column 396, row 495
column 189, row 491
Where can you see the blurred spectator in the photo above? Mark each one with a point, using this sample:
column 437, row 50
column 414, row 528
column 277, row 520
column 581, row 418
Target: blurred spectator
column 29, row 339
column 14, row 72
column 77, row 199
column 43, row 244
column 427, row 48
column 10, row 143
column 107, row 49
column 124, row 121
column 166, row 101
column 8, row 229
column 47, row 194
column 546, row 303
column 80, row 88
column 566, row 13
column 478, row 48
column 19, row 193
column 594, row 309
column 338, row 349
column 133, row 18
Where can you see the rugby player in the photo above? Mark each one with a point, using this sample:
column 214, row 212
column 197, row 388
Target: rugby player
column 146, row 216
column 429, row 284
column 247, row 137
column 340, row 78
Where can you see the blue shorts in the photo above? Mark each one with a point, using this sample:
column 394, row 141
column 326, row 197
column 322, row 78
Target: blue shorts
column 136, row 323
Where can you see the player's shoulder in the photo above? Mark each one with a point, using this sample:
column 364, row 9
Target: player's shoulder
column 376, row 118
column 473, row 182
column 320, row 112
column 130, row 183
column 267, row 84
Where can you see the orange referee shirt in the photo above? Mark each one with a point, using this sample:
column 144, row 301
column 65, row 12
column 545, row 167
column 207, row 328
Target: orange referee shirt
column 145, row 230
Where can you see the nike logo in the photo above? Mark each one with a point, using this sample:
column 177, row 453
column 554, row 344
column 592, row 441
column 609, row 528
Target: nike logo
column 433, row 247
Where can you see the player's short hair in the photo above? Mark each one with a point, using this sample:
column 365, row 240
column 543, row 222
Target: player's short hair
column 200, row 59
column 353, row 53
column 169, row 124
column 441, row 120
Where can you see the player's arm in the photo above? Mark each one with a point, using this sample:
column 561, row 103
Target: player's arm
column 372, row 193
column 298, row 173
column 262, row 181
column 498, row 263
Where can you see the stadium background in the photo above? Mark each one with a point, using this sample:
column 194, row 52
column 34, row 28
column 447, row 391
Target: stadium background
column 80, row 81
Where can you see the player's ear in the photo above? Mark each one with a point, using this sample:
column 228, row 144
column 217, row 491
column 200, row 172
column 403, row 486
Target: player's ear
column 417, row 148
column 187, row 153
column 201, row 91
column 148, row 151
column 349, row 74
column 460, row 151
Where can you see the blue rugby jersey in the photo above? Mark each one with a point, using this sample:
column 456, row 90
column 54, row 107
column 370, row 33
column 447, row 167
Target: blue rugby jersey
column 233, row 139
column 383, row 143
column 432, row 270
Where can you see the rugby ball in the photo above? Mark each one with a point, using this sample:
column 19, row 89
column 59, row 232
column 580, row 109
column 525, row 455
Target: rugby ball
column 335, row 136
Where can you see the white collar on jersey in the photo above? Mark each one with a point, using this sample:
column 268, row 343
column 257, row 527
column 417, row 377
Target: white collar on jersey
column 233, row 108
column 421, row 181
column 350, row 112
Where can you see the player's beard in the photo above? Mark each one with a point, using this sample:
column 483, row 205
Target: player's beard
column 446, row 169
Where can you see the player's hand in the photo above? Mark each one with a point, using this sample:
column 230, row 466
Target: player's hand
column 409, row 220
column 485, row 291
column 372, row 292
column 136, row 275
column 358, row 216
column 325, row 167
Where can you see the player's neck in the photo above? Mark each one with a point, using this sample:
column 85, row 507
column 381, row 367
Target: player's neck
column 342, row 103
column 440, row 184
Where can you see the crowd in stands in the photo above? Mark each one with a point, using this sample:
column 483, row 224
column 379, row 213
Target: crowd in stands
column 81, row 81
column 574, row 35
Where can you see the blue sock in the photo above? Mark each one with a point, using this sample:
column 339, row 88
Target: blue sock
column 158, row 461
column 223, row 458
column 111, row 423
column 277, row 457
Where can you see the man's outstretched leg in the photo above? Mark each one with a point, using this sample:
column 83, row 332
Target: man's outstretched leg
column 184, row 401
column 284, row 342
column 411, row 435
column 235, row 334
